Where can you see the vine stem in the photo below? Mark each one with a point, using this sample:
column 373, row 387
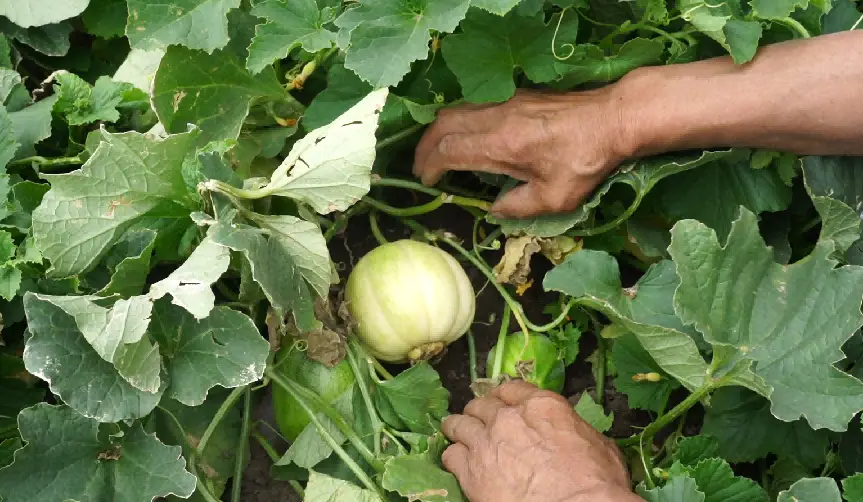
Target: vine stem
column 650, row 431
column 796, row 26
column 47, row 162
column 377, row 425
column 517, row 311
column 471, row 352
column 217, row 418
column 379, row 368
column 501, row 341
column 376, row 229
column 274, row 457
column 302, row 395
column 292, row 388
column 395, row 138
column 237, row 485
column 611, row 225
column 444, row 198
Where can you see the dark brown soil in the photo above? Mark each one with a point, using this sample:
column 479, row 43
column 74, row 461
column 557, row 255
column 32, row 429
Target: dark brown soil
column 453, row 367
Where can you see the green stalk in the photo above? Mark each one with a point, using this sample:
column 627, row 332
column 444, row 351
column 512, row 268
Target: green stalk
column 217, row 418
column 379, row 368
column 501, row 341
column 406, row 211
column 237, row 485
column 796, row 26
column 600, row 360
column 611, row 225
column 47, row 162
column 377, row 424
column 302, row 394
column 376, row 229
column 395, row 138
column 293, row 389
column 434, row 192
column 651, row 430
column 471, row 351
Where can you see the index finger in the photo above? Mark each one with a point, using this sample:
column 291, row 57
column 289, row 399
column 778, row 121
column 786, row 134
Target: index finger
column 515, row 392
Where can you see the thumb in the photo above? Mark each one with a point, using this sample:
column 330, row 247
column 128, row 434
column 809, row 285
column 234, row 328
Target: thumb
column 523, row 201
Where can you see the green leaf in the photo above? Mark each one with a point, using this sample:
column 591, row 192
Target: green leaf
column 485, row 55
column 8, row 80
column 330, row 168
column 386, row 36
column 593, row 413
column 499, row 7
column 5, row 56
column 8, row 447
column 128, row 263
column 835, row 186
column 344, row 89
column 843, row 17
column 180, row 425
column 323, row 488
column 631, row 359
column 106, row 18
column 812, row 490
column 190, row 284
column 31, row 125
column 305, row 243
column 641, row 175
column 83, row 104
column 27, row 13
column 51, row 40
column 717, row 481
column 273, row 268
column 680, row 488
column 417, row 477
column 589, row 63
column 69, row 456
column 734, row 409
column 8, row 144
column 713, row 194
column 58, row 353
column 225, row 349
column 310, row 448
column 117, row 334
column 139, row 68
column 294, row 23
column 130, row 176
column 851, row 447
column 693, row 449
column 719, row 22
column 213, row 92
column 415, row 399
column 646, row 309
column 742, row 277
column 196, row 24
column 776, row 9
column 853, row 488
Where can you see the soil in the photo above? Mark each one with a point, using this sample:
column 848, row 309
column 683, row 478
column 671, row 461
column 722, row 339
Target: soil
column 355, row 242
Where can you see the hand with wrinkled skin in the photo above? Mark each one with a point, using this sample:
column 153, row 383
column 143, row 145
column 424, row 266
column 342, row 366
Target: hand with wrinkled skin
column 523, row 444
column 561, row 145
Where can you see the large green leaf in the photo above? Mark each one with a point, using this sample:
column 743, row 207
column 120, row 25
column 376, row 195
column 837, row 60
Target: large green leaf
column 51, row 39
column 791, row 321
column 8, row 144
column 197, row 24
column 294, row 23
column 641, row 175
column 213, row 92
column 32, row 124
column 589, row 63
column 386, row 36
column 68, row 456
column 130, row 176
column 225, row 349
column 835, row 185
column 853, row 488
column 717, row 481
column 680, row 488
column 9, row 79
column 812, row 490
column 117, row 334
column 27, row 13
column 646, row 309
column 330, row 168
column 414, row 399
column 323, row 488
column 82, row 103
column 58, row 353
column 721, row 23
column 106, row 18
column 417, row 477
column 310, row 448
column 273, row 268
column 499, row 7
column 776, row 9
column 843, row 17
column 489, row 49
column 631, row 359
column 734, row 409
column 713, row 194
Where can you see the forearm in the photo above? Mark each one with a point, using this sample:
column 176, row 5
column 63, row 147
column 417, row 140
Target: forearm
column 802, row 96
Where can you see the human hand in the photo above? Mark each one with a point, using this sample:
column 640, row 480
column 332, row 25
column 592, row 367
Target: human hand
column 523, row 444
column 561, row 145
